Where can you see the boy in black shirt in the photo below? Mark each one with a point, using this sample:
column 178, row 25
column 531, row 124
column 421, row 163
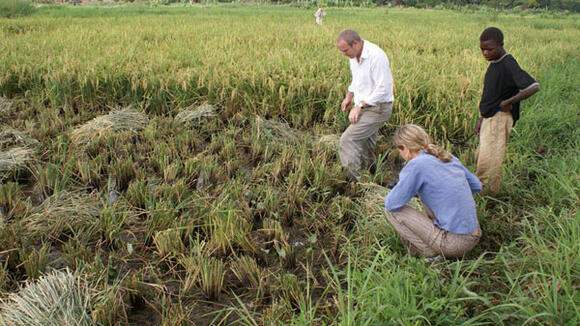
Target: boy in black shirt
column 505, row 85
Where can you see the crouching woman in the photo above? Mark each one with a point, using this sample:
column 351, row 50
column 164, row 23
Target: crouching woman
column 449, row 225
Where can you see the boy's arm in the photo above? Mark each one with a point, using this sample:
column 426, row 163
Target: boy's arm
column 478, row 126
column 506, row 105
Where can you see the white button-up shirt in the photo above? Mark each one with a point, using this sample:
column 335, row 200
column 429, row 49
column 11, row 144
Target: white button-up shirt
column 372, row 80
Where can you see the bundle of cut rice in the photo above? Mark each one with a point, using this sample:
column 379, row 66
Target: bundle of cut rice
column 57, row 299
column 280, row 131
column 119, row 120
column 13, row 160
column 330, row 141
column 63, row 211
column 12, row 137
column 374, row 199
column 195, row 114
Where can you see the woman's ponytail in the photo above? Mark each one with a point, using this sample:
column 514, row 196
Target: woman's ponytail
column 416, row 139
column 439, row 153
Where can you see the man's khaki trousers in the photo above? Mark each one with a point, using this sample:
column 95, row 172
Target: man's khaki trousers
column 493, row 137
column 359, row 141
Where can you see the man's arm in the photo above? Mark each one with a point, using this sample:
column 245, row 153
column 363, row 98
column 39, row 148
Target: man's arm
column 347, row 102
column 506, row 105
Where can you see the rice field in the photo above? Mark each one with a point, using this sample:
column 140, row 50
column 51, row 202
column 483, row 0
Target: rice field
column 178, row 166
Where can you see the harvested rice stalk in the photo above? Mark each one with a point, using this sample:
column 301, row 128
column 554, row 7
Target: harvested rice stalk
column 280, row 131
column 62, row 211
column 125, row 119
column 59, row 298
column 13, row 160
column 330, row 141
column 373, row 200
column 194, row 115
column 12, row 137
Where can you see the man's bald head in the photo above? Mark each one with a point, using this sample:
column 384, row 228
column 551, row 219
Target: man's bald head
column 349, row 36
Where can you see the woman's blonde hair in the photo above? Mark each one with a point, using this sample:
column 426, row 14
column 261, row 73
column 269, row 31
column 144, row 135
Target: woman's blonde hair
column 416, row 140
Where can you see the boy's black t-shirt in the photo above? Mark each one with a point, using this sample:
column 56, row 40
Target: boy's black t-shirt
column 504, row 78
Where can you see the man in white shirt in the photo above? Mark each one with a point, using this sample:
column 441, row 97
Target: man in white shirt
column 372, row 91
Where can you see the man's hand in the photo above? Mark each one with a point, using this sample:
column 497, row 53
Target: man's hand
column 354, row 114
column 478, row 126
column 506, row 106
column 346, row 103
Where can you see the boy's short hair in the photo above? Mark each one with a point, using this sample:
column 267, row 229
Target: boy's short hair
column 492, row 33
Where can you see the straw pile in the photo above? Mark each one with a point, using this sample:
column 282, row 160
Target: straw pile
column 280, row 131
column 373, row 200
column 12, row 137
column 63, row 211
column 57, row 299
column 195, row 114
column 330, row 141
column 13, row 160
column 119, row 120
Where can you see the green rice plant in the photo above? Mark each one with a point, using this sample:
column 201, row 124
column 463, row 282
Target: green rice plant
column 111, row 223
column 109, row 300
column 4, row 275
column 35, row 260
column 286, row 254
column 5, row 104
column 89, row 173
column 138, row 194
column 227, row 231
column 211, row 277
column 58, row 298
column 62, row 212
column 247, row 272
column 12, row 202
column 115, row 121
column 172, row 171
column 293, row 290
column 173, row 313
column 52, row 178
column 169, row 242
column 160, row 217
column 14, row 160
column 272, row 230
column 122, row 172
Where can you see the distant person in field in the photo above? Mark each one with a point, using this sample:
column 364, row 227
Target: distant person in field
column 371, row 91
column 505, row 85
column 320, row 13
column 449, row 225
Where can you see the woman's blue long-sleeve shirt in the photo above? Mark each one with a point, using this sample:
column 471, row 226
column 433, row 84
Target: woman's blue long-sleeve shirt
column 445, row 188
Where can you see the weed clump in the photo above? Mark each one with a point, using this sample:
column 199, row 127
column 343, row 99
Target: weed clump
column 59, row 298
column 119, row 120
